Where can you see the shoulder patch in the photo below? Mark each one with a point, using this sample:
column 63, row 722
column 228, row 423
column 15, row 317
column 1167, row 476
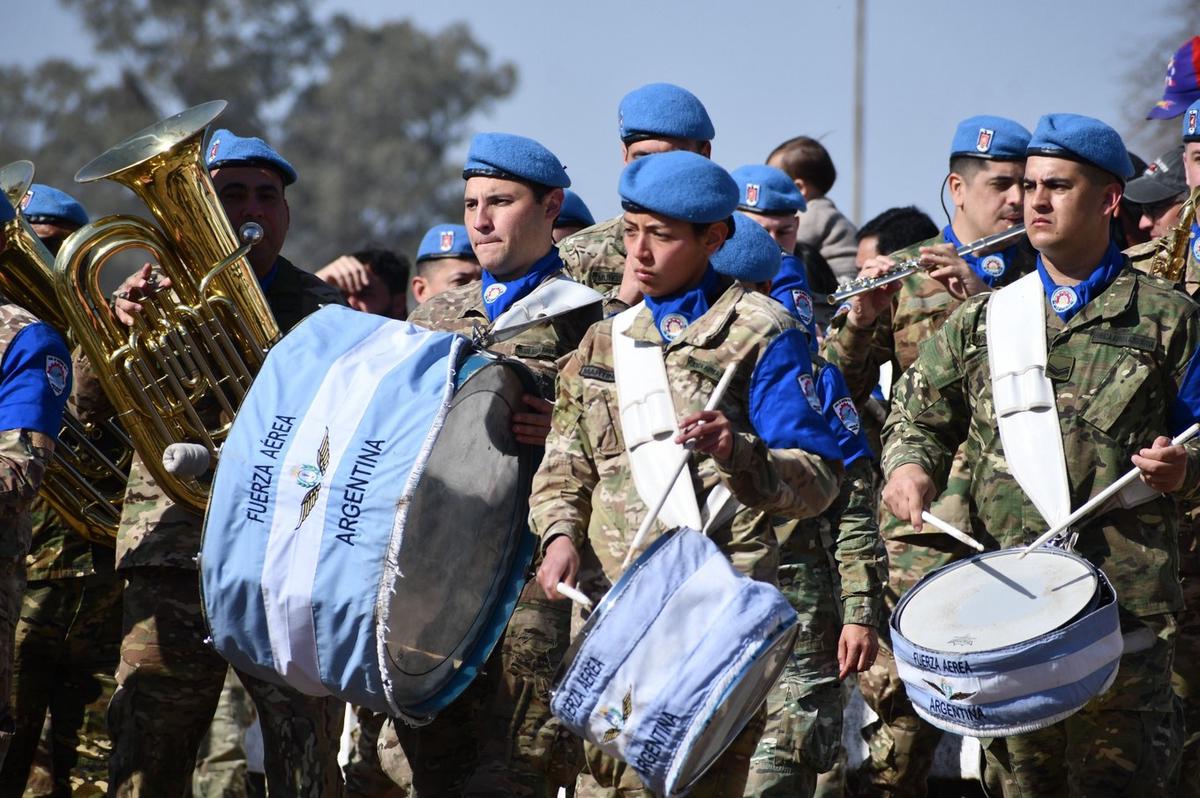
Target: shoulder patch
column 56, row 374
column 593, row 372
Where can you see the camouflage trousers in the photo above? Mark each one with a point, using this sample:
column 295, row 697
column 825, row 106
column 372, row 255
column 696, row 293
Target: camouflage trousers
column 1124, row 742
column 168, row 684
column 67, row 647
column 364, row 773
column 221, row 768
column 499, row 738
column 12, row 585
column 606, row 777
column 1186, row 681
column 803, row 732
column 900, row 744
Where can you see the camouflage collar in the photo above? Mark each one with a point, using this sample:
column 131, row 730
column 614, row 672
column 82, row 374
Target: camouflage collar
column 1112, row 302
column 715, row 321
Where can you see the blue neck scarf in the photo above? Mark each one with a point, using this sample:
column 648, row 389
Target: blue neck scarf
column 991, row 267
column 1067, row 300
column 672, row 314
column 500, row 295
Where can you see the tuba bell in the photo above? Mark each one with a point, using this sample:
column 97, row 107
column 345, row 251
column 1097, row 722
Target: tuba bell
column 85, row 483
column 179, row 374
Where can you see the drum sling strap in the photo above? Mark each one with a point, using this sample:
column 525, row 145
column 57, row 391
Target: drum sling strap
column 648, row 423
column 553, row 297
column 1023, row 396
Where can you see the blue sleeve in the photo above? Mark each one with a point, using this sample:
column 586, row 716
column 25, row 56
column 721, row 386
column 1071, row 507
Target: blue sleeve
column 790, row 289
column 784, row 407
column 35, row 381
column 842, row 415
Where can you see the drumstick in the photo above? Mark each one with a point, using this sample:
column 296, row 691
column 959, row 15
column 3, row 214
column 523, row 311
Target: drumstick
column 574, row 595
column 952, row 531
column 652, row 516
column 1104, row 495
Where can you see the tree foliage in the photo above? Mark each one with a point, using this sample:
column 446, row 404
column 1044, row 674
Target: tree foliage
column 367, row 114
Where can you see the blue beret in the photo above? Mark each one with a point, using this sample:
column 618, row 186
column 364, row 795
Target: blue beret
column 7, row 214
column 679, row 185
column 43, row 203
column 1081, row 138
column 574, row 211
column 663, row 110
column 510, row 157
column 445, row 241
column 228, row 149
column 990, row 137
column 1191, row 123
column 750, row 254
column 765, row 189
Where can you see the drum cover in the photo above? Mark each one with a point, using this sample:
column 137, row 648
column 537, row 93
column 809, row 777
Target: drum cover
column 674, row 661
column 366, row 536
column 972, row 669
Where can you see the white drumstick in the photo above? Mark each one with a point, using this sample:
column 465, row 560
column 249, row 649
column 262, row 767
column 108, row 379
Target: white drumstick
column 952, row 531
column 574, row 595
column 652, row 516
column 1104, row 495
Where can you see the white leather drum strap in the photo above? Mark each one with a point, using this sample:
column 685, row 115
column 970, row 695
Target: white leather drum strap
column 649, row 426
column 554, row 297
column 1023, row 396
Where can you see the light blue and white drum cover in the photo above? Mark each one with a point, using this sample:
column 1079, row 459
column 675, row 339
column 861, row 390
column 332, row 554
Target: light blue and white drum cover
column 674, row 661
column 998, row 645
column 366, row 536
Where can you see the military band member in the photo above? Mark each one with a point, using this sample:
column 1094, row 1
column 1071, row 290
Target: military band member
column 170, row 679
column 573, row 217
column 655, row 118
column 838, row 612
column 35, row 381
column 372, row 280
column 1159, row 192
column 444, row 260
column 774, row 456
column 1122, row 367
column 987, row 160
column 499, row 737
column 69, row 635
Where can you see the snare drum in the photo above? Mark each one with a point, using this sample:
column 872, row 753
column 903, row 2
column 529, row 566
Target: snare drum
column 366, row 536
column 997, row 645
column 674, row 661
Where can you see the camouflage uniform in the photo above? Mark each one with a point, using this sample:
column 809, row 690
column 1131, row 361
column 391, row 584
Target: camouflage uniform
column 804, row 711
column 68, row 645
column 365, row 775
column 595, row 256
column 583, row 488
column 1116, row 368
column 169, row 678
column 901, row 744
column 498, row 737
column 1186, row 672
column 24, row 455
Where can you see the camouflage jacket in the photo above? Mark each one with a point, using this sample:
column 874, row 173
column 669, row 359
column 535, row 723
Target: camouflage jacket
column 154, row 530
column 461, row 310
column 1116, row 368
column 849, row 532
column 595, row 256
column 24, row 456
column 584, row 488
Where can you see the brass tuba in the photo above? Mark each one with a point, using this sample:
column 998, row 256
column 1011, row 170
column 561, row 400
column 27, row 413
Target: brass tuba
column 179, row 374
column 1171, row 252
column 85, row 483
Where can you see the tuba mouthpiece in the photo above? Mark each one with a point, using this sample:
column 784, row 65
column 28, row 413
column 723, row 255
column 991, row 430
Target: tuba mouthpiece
column 250, row 233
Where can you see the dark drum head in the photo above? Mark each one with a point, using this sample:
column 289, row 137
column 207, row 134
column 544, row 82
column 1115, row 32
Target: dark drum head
column 461, row 537
column 743, row 700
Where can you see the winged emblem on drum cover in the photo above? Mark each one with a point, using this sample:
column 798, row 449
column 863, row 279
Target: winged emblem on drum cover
column 307, row 478
column 618, row 719
column 947, row 690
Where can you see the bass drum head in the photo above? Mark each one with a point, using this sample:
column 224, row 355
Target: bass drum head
column 741, row 702
column 997, row 600
column 461, row 538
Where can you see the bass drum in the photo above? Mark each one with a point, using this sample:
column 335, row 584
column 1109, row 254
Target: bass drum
column 367, row 536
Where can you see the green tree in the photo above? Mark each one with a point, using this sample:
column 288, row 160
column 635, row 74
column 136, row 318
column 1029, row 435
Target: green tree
column 371, row 136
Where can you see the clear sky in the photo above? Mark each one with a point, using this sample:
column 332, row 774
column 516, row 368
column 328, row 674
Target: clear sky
column 768, row 70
